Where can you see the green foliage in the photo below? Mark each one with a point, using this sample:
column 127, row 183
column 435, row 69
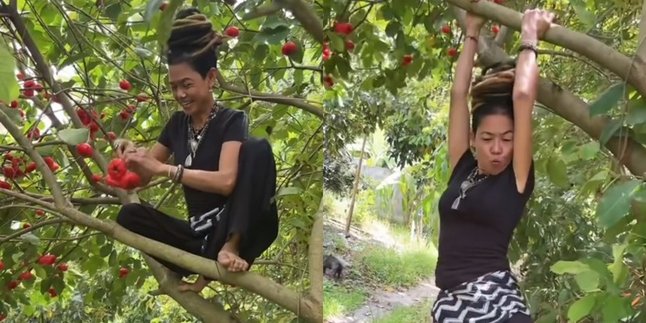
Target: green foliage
column 392, row 268
column 340, row 300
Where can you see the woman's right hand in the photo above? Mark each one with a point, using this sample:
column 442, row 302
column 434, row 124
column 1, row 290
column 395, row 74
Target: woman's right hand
column 536, row 22
column 122, row 146
column 473, row 24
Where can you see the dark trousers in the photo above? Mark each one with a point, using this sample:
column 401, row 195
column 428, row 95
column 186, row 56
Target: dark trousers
column 250, row 212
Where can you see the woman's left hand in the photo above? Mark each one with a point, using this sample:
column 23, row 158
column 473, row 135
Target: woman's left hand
column 140, row 159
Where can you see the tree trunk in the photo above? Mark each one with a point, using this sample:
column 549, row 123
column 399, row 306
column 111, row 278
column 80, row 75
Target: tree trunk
column 357, row 179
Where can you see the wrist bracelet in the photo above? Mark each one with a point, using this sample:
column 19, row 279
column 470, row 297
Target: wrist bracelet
column 174, row 178
column 180, row 174
column 473, row 37
column 526, row 46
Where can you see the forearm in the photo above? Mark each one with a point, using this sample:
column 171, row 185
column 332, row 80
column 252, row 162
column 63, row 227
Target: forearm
column 208, row 181
column 464, row 68
column 526, row 79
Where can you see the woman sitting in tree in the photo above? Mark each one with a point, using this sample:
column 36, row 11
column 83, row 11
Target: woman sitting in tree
column 228, row 180
column 492, row 179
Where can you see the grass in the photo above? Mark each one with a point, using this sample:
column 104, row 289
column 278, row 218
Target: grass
column 340, row 300
column 419, row 313
column 399, row 269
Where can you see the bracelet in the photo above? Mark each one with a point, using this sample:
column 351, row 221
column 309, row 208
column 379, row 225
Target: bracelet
column 174, row 178
column 529, row 46
column 169, row 169
column 473, row 37
column 178, row 174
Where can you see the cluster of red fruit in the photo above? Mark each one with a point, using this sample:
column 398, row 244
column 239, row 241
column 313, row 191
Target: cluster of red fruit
column 44, row 260
column 130, row 109
column 30, row 87
column 13, row 170
column 119, row 175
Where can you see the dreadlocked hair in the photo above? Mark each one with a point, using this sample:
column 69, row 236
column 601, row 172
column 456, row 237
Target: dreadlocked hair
column 491, row 93
column 193, row 41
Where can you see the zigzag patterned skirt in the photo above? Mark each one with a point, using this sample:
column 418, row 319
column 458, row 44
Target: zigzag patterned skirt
column 493, row 297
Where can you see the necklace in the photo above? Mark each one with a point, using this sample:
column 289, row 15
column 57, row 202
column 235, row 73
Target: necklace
column 195, row 137
column 471, row 181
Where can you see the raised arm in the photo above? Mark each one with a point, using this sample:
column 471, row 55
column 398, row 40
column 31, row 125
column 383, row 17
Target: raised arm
column 534, row 25
column 459, row 110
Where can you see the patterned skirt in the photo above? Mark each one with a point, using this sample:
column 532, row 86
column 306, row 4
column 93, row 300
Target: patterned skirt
column 492, row 297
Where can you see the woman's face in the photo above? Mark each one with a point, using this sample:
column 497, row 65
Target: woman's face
column 190, row 89
column 493, row 143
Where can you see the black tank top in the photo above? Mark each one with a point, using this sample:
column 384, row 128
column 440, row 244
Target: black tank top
column 175, row 137
column 474, row 239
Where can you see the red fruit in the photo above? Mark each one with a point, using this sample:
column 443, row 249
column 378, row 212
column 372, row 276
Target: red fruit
column 26, row 226
column 14, row 104
column 125, row 85
column 93, row 126
column 22, row 113
column 28, row 93
column 407, row 59
column 38, row 87
column 349, row 45
column 62, row 267
column 232, row 31
column 8, row 156
column 19, row 173
column 5, row 185
column 40, row 212
column 52, row 292
column 1, row 265
column 326, row 53
column 498, row 1
column 446, row 29
column 452, row 52
column 495, row 29
column 20, row 76
column 34, row 134
column 123, row 272
column 163, row 6
column 53, row 166
column 112, row 136
column 9, row 172
column 84, row 116
column 27, row 275
column 12, row 284
column 113, row 182
column 30, row 168
column 84, row 149
column 96, row 178
column 117, row 168
column 329, row 82
column 289, row 48
column 47, row 260
column 142, row 97
column 124, row 115
column 130, row 181
column 344, row 28
column 130, row 108
column 29, row 84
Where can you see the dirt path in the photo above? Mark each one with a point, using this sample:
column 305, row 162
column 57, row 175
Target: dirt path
column 384, row 302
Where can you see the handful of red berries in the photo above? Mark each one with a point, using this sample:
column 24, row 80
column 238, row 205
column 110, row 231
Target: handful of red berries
column 119, row 175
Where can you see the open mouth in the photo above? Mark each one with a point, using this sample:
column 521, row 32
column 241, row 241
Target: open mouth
column 186, row 104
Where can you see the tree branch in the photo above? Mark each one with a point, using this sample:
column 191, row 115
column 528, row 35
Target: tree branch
column 308, row 18
column 641, row 38
column 295, row 102
column 316, row 259
column 32, row 228
column 578, row 42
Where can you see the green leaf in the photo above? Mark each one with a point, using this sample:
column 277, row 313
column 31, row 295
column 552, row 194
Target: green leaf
column 614, row 308
column 273, row 35
column 9, row 89
column 587, row 17
column 587, row 280
column 609, row 130
column 151, row 8
column 608, row 99
column 617, row 268
column 289, row 191
column 615, row 203
column 569, row 267
column 556, row 169
column 74, row 136
column 581, row 308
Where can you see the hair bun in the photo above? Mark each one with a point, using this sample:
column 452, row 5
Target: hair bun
column 192, row 33
column 495, row 85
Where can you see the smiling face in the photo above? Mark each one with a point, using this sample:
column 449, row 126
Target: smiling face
column 493, row 143
column 190, row 89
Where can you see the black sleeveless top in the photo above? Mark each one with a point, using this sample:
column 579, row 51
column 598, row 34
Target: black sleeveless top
column 175, row 137
column 474, row 239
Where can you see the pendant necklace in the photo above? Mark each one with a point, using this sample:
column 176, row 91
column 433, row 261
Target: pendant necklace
column 196, row 138
column 466, row 185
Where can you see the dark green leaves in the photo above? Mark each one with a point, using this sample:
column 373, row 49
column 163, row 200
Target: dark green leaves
column 608, row 99
column 9, row 85
column 615, row 203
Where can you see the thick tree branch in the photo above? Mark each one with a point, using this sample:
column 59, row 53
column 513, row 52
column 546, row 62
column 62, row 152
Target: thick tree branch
column 631, row 70
column 308, row 18
column 641, row 39
column 316, row 259
column 192, row 302
column 295, row 102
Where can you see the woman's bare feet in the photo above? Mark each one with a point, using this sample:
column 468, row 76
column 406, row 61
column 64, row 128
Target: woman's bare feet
column 197, row 286
column 231, row 261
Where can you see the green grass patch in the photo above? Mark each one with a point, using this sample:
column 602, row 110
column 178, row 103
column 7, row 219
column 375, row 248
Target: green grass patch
column 418, row 313
column 339, row 300
column 397, row 269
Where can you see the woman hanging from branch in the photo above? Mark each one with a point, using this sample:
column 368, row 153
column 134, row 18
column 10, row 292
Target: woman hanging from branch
column 228, row 180
column 492, row 179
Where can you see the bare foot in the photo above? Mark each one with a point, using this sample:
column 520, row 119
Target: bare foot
column 231, row 261
column 197, row 286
